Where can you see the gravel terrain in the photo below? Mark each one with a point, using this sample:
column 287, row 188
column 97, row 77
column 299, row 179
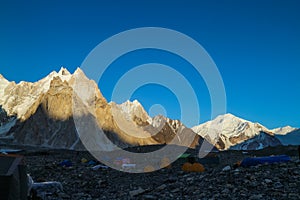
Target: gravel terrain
column 80, row 181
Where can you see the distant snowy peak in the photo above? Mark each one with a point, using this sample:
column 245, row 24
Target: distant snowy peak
column 228, row 130
column 283, row 130
column 230, row 125
column 231, row 132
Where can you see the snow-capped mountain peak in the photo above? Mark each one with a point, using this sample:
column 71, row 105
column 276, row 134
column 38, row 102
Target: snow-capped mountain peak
column 78, row 72
column 228, row 130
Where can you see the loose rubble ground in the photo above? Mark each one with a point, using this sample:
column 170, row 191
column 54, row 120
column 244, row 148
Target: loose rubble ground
column 276, row 181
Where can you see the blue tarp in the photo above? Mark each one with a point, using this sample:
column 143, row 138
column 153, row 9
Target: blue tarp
column 247, row 162
column 66, row 163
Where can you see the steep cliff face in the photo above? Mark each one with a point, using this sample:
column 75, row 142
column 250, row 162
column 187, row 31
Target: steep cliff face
column 57, row 101
column 48, row 121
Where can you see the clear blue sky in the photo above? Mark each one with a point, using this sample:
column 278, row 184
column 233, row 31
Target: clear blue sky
column 254, row 43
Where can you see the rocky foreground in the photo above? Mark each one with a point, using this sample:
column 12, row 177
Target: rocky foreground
column 80, row 181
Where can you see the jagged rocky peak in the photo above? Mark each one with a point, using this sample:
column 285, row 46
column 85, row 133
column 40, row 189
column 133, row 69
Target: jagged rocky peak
column 175, row 124
column 78, row 71
column 87, row 89
column 131, row 112
column 158, row 121
column 64, row 72
column 79, row 75
column 133, row 108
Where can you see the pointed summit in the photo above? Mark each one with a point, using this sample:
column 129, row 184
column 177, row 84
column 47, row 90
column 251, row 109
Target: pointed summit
column 64, row 72
column 131, row 110
column 79, row 76
column 229, row 117
column 78, row 71
column 131, row 104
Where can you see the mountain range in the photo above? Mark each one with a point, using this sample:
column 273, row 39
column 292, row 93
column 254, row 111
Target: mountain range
column 44, row 113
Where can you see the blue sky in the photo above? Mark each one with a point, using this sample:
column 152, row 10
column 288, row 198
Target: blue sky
column 255, row 45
